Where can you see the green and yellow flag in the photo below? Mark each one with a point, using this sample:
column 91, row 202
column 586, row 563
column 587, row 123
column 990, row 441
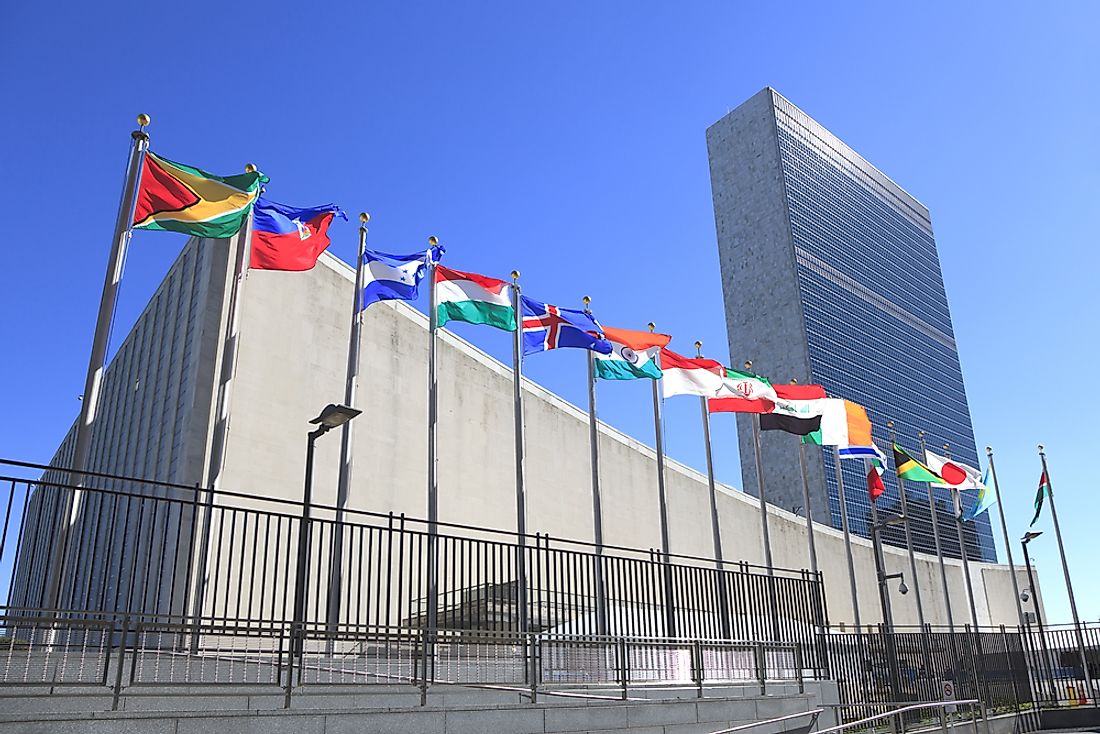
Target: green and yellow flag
column 180, row 198
column 909, row 468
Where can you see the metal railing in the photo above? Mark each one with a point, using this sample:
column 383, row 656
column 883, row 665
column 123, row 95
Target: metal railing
column 897, row 714
column 125, row 652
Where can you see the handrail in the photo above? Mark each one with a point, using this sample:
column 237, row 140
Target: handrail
column 742, row 727
column 895, row 712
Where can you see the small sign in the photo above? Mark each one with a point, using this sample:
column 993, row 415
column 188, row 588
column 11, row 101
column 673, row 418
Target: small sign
column 947, row 693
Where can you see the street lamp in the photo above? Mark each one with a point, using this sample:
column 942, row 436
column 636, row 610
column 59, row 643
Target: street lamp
column 883, row 577
column 332, row 416
column 1028, row 537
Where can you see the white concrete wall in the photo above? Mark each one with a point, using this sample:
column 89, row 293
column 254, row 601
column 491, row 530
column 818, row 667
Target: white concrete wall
column 294, row 337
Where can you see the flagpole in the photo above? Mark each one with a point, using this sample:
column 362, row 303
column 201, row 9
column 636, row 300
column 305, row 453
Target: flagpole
column 521, row 498
column 715, row 527
column 806, row 501
column 97, row 360
column 908, row 533
column 1069, row 583
column 230, row 348
column 597, row 501
column 847, row 534
column 433, row 486
column 670, row 607
column 351, row 384
column 760, row 488
column 962, row 547
column 1004, row 530
column 936, row 537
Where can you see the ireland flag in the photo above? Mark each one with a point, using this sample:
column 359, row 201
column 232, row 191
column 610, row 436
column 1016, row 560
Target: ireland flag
column 472, row 298
column 634, row 355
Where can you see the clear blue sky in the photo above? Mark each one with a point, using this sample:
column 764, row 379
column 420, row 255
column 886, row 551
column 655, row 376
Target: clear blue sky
column 566, row 139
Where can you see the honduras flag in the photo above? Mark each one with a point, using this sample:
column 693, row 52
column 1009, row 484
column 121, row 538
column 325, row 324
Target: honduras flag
column 549, row 327
column 389, row 277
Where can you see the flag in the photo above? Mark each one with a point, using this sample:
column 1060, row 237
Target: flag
column 549, row 327
column 986, row 499
column 473, row 298
column 845, row 424
column 798, row 409
column 289, row 238
column 909, row 468
column 389, row 277
column 956, row 475
column 1044, row 491
column 174, row 197
column 682, row 375
column 875, row 487
column 743, row 392
column 634, row 355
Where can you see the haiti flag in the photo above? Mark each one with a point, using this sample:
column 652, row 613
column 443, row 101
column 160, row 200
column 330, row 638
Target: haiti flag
column 289, row 238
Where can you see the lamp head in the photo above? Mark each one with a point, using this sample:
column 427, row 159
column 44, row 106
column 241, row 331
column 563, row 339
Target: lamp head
column 1031, row 535
column 903, row 588
column 334, row 416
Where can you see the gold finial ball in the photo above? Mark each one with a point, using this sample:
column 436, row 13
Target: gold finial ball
column 1040, row 447
column 920, row 434
column 364, row 217
column 946, row 446
column 989, row 450
column 433, row 240
column 698, row 345
column 586, row 300
column 889, row 424
column 748, row 364
column 651, row 326
column 515, row 275
column 794, row 380
column 249, row 167
column 143, row 120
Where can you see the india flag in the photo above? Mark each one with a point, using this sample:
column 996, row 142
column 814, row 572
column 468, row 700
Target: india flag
column 634, row 355
column 473, row 298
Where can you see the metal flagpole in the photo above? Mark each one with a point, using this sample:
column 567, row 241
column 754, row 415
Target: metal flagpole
column 597, row 501
column 670, row 607
column 715, row 527
column 908, row 533
column 97, row 360
column 962, row 547
column 433, row 487
column 230, row 349
column 1069, row 583
column 521, row 499
column 939, row 547
column 847, row 534
column 806, row 501
column 760, row 488
column 1004, row 530
column 351, row 384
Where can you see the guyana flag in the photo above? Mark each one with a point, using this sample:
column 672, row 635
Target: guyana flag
column 174, row 197
column 909, row 468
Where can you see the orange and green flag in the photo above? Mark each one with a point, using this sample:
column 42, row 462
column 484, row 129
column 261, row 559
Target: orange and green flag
column 909, row 468
column 175, row 197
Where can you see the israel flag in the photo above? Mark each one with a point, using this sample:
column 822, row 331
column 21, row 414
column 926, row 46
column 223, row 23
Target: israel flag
column 389, row 277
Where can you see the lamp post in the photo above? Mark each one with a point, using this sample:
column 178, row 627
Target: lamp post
column 884, row 595
column 1047, row 660
column 333, row 416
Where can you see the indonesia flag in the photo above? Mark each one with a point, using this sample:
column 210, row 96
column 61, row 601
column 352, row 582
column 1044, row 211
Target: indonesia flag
column 682, row 375
column 289, row 238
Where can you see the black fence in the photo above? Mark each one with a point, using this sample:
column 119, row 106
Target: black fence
column 124, row 546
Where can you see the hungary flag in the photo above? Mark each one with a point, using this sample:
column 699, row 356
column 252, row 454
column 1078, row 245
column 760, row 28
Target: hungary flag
column 473, row 298
column 634, row 355
column 174, row 197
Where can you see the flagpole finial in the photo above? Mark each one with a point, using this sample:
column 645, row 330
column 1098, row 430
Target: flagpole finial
column 889, row 424
column 364, row 217
column 920, row 435
column 748, row 364
column 794, row 380
column 1040, row 449
column 515, row 275
column 947, row 447
column 249, row 167
column 433, row 240
column 651, row 326
column 586, row 300
column 143, row 121
column 698, row 348
column 989, row 451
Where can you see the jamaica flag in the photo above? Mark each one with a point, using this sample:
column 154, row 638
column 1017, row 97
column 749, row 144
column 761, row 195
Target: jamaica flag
column 178, row 198
column 909, row 468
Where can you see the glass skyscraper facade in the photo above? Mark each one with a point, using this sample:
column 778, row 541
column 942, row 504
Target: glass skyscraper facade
column 839, row 267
